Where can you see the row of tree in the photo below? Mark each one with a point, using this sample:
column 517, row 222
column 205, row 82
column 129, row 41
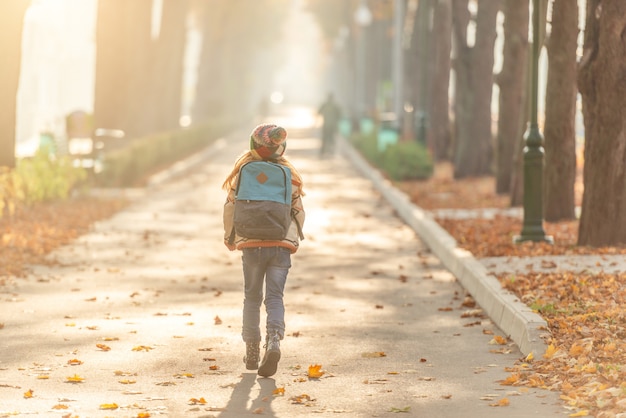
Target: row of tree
column 139, row 70
column 461, row 127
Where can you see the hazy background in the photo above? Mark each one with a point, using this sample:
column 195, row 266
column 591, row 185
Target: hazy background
column 58, row 65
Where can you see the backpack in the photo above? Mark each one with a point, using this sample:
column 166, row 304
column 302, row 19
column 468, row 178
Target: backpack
column 262, row 201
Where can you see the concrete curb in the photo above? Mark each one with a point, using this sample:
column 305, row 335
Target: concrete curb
column 516, row 319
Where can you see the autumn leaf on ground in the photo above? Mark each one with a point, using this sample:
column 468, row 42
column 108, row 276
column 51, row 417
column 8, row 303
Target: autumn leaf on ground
column 74, row 362
column 550, row 351
column 194, row 401
column 498, row 339
column 184, row 376
column 142, row 348
column 315, row 371
column 28, row 394
column 60, row 406
column 218, row 320
column 127, row 382
column 74, row 379
column 374, row 354
column 582, row 413
column 501, row 402
column 109, row 406
column 103, row 347
column 405, row 409
column 278, row 392
column 43, row 377
column 143, row 415
column 301, row 399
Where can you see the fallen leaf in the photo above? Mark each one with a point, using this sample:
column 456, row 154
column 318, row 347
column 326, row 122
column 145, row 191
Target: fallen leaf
column 397, row 410
column 315, row 371
column 28, row 394
column 60, row 406
column 278, row 391
column 218, row 320
column 74, row 379
column 194, row 401
column 74, row 362
column 501, row 402
column 109, row 406
column 103, row 347
column 374, row 354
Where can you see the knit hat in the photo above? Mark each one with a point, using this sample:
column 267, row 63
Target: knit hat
column 268, row 141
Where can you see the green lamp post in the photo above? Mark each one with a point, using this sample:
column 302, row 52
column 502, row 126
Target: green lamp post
column 532, row 229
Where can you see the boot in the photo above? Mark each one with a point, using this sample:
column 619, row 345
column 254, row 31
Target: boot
column 252, row 356
column 272, row 355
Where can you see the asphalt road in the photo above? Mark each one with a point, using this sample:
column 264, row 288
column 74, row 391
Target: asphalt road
column 144, row 313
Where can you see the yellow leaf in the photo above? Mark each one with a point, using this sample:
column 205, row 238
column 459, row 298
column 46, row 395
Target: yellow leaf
column 550, row 351
column 142, row 348
column 74, row 379
column 582, row 413
column 127, row 382
column 530, row 357
column 103, row 347
column 143, row 415
column 29, row 394
column 278, row 392
column 194, row 401
column 74, row 362
column 109, row 406
column 315, row 371
column 511, row 380
column 498, row 339
column 43, row 377
column 60, row 406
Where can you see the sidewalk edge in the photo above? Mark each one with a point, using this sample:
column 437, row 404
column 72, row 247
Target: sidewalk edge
column 515, row 318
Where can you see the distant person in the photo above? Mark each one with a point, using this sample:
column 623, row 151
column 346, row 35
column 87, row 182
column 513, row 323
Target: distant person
column 266, row 259
column 331, row 114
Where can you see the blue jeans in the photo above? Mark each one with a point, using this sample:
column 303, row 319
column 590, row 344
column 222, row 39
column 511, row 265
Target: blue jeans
column 269, row 265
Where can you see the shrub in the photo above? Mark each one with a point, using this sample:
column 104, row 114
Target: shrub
column 132, row 164
column 400, row 161
column 407, row 161
column 40, row 178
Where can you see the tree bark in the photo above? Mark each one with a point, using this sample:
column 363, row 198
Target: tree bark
column 169, row 66
column 123, row 66
column 512, row 83
column 12, row 22
column 603, row 87
column 560, row 125
column 474, row 85
column 440, row 130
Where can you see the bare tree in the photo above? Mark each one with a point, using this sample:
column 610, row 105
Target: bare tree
column 603, row 87
column 512, row 83
column 11, row 21
column 560, row 125
column 474, row 84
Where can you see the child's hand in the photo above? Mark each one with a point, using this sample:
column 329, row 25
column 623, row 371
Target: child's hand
column 231, row 247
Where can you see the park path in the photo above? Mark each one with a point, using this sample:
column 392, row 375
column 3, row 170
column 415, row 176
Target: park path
column 146, row 310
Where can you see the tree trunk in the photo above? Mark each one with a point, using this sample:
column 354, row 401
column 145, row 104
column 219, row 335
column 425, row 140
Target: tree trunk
column 440, row 97
column 169, row 56
column 512, row 83
column 123, row 66
column 12, row 22
column 560, row 126
column 474, row 76
column 603, row 87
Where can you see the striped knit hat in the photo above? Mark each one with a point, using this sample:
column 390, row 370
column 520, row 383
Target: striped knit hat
column 267, row 141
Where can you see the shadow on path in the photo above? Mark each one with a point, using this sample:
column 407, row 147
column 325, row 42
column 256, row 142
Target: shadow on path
column 242, row 393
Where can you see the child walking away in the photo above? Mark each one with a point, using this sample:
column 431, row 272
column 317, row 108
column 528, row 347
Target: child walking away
column 263, row 217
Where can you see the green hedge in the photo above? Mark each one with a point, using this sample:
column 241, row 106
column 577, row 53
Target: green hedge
column 402, row 161
column 132, row 165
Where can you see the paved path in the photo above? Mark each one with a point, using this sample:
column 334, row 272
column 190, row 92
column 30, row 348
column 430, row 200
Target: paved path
column 148, row 307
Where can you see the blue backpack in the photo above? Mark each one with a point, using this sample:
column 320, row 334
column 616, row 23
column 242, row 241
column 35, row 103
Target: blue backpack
column 263, row 201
